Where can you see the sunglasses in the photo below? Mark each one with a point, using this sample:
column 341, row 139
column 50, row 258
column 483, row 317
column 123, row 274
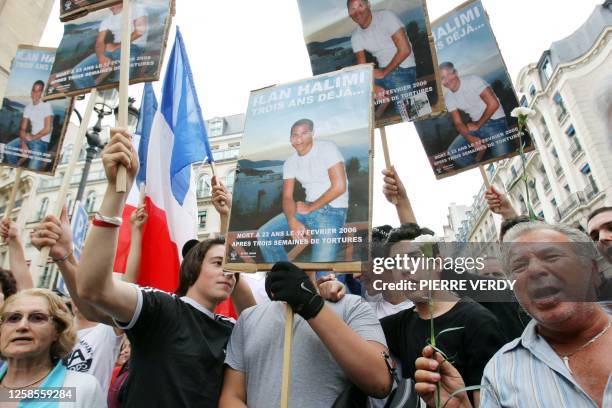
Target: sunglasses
column 38, row 318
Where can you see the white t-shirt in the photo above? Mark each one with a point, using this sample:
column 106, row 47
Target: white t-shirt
column 311, row 171
column 467, row 98
column 113, row 24
column 376, row 39
column 95, row 352
column 88, row 391
column 37, row 114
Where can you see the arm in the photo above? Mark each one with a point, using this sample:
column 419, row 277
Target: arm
column 233, row 394
column 289, row 207
column 17, row 261
column 369, row 371
column 337, row 177
column 138, row 218
column 393, row 187
column 431, row 369
column 55, row 233
column 46, row 130
column 499, row 203
column 400, row 39
column 489, row 98
column 95, row 282
column 361, row 57
column 100, row 47
column 23, row 133
column 140, row 27
column 222, row 201
column 464, row 130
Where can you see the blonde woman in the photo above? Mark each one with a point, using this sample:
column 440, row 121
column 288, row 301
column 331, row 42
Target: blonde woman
column 36, row 332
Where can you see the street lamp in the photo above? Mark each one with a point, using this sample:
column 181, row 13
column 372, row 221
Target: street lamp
column 106, row 104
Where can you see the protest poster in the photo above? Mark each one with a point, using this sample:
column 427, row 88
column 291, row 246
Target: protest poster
column 396, row 38
column 31, row 130
column 302, row 188
column 89, row 53
column 479, row 96
column 71, row 9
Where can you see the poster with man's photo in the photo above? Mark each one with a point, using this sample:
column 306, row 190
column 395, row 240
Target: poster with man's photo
column 302, row 188
column 89, row 54
column 478, row 128
column 392, row 34
column 71, row 9
column 31, row 130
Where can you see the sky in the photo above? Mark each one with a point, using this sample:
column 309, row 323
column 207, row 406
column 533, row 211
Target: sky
column 236, row 46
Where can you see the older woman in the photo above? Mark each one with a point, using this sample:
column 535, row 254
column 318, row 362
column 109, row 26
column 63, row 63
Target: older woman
column 36, row 332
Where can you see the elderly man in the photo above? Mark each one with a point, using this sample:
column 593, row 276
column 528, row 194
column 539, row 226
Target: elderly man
column 562, row 358
column 475, row 97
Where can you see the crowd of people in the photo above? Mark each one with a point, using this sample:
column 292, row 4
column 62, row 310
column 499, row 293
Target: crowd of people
column 543, row 343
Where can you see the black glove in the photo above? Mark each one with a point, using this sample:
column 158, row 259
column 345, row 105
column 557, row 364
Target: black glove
column 289, row 283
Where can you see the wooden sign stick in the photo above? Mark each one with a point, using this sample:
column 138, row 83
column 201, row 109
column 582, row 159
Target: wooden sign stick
column 287, row 345
column 74, row 158
column 383, row 138
column 124, row 84
column 483, row 173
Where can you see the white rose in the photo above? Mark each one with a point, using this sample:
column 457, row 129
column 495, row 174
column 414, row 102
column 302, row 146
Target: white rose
column 426, row 238
column 522, row 111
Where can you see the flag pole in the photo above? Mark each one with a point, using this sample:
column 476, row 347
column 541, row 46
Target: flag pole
column 124, row 84
column 383, row 138
column 287, row 346
column 76, row 151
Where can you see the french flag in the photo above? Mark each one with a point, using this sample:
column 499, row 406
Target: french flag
column 173, row 137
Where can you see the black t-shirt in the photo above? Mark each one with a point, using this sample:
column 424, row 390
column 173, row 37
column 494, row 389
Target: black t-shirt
column 177, row 353
column 469, row 349
column 503, row 304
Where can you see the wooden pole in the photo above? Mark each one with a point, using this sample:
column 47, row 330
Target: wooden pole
column 124, row 84
column 141, row 195
column 287, row 345
column 76, row 151
column 483, row 173
column 383, row 138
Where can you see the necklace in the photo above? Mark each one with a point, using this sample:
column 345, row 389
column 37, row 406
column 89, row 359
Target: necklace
column 25, row 386
column 585, row 345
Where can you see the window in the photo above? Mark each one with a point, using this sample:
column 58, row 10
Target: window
column 553, row 202
column 202, row 219
column 561, row 110
column 90, row 202
column 216, row 126
column 42, row 210
column 547, row 68
column 532, row 89
column 524, row 102
column 203, row 186
column 567, row 188
column 229, row 180
column 570, row 131
column 554, row 153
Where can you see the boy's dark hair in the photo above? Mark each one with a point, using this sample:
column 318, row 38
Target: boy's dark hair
column 597, row 212
column 8, row 282
column 192, row 264
column 408, row 232
column 506, row 225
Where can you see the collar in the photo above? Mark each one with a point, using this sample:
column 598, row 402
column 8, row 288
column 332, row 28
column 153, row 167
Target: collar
column 198, row 306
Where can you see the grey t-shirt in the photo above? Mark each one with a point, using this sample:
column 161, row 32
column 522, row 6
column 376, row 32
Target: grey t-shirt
column 256, row 349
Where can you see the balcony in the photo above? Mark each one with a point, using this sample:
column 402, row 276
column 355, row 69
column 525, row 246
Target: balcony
column 203, row 192
column 568, row 205
column 546, row 185
column 575, row 149
column 562, row 115
column 546, row 135
column 590, row 192
column 558, row 170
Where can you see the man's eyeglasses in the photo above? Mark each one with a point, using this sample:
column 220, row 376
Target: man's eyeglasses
column 37, row 318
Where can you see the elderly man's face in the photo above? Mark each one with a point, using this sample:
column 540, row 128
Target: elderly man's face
column 552, row 281
column 449, row 79
column 360, row 13
column 600, row 231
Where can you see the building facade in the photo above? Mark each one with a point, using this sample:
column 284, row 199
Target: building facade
column 570, row 172
column 38, row 193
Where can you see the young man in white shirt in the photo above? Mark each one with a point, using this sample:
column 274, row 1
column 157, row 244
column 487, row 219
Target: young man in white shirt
column 34, row 132
column 319, row 167
column 475, row 97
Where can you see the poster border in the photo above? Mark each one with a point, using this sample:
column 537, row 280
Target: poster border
column 338, row 266
column 67, row 116
column 501, row 55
